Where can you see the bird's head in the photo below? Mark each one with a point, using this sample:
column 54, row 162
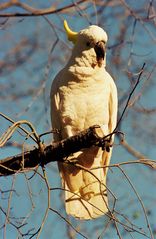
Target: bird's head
column 89, row 44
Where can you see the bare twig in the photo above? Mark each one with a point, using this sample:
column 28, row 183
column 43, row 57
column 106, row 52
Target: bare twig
column 70, row 224
column 138, row 18
column 140, row 201
column 9, row 206
column 33, row 11
column 129, row 97
column 4, row 138
column 131, row 150
column 19, row 126
column 48, row 204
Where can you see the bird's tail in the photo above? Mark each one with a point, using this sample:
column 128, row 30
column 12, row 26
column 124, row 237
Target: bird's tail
column 85, row 186
column 86, row 206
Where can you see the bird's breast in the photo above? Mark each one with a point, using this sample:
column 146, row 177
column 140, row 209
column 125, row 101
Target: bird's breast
column 83, row 106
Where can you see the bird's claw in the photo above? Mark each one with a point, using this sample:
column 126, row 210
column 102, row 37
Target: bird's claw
column 105, row 144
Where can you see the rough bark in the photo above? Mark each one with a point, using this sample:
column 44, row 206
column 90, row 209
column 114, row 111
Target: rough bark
column 56, row 151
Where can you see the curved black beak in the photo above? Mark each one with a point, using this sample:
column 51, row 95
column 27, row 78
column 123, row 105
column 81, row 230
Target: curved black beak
column 100, row 48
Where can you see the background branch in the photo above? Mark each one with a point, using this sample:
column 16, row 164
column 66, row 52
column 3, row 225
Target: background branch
column 33, row 11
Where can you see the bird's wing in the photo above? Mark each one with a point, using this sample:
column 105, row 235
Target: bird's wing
column 113, row 105
column 55, row 106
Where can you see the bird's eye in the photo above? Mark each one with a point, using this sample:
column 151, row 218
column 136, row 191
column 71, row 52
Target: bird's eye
column 87, row 43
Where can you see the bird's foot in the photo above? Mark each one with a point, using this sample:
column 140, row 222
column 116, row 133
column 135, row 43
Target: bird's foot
column 106, row 144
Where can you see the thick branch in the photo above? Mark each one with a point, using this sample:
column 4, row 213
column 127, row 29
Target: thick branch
column 53, row 152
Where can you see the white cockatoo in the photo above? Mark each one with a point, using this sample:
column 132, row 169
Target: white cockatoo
column 84, row 94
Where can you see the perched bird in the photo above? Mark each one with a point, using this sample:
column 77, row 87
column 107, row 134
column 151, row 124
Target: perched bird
column 84, row 94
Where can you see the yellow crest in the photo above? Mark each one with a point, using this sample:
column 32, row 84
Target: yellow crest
column 72, row 36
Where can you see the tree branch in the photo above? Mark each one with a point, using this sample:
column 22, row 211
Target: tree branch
column 33, row 11
column 30, row 160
